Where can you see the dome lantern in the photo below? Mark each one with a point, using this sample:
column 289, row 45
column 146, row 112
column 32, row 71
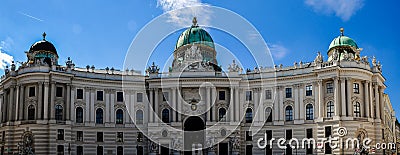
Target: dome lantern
column 343, row 48
column 42, row 52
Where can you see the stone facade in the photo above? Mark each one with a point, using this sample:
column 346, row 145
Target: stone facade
column 53, row 108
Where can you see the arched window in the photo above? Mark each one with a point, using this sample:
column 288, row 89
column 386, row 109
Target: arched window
column 79, row 115
column 31, row 112
column 139, row 117
column 268, row 114
column 165, row 116
column 357, row 112
column 309, row 112
column 222, row 114
column 119, row 116
column 289, row 113
column 330, row 109
column 120, row 150
column 99, row 116
column 59, row 113
column 249, row 115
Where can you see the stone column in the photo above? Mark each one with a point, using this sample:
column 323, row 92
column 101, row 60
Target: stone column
column 1, row 106
column 5, row 107
column 256, row 100
column 179, row 105
column 371, row 101
column 366, row 99
column 316, row 103
column 17, row 98
column 336, row 95
column 68, row 103
column 40, row 107
column 156, row 103
column 88, row 111
column 231, row 110
column 21, row 103
column 151, row 107
column 11, row 103
column 108, row 107
column 343, row 96
column 349, row 92
column 52, row 104
column 377, row 101
column 46, row 101
column 237, row 104
column 321, row 99
column 213, row 108
column 381, row 104
column 172, row 103
column 281, row 111
column 112, row 108
column 261, row 108
column 276, row 104
column 301, row 103
column 72, row 99
column 296, row 106
column 208, row 103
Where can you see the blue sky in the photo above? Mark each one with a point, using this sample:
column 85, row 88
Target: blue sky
column 99, row 32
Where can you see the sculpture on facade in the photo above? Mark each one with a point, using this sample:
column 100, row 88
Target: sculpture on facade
column 318, row 59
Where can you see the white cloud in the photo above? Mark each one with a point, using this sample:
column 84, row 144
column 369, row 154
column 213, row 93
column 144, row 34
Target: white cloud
column 5, row 59
column 278, row 51
column 184, row 17
column 343, row 9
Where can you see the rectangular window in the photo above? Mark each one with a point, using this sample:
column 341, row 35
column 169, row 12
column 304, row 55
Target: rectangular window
column 309, row 90
column 32, row 91
column 249, row 149
column 288, row 134
column 309, row 147
column 59, row 92
column 99, row 95
column 139, row 97
column 328, row 149
column 248, row 136
column 329, row 88
column 99, row 136
column 139, row 150
column 165, row 96
column 288, row 92
column 60, row 134
column 79, row 150
column 79, row 136
column 120, row 136
column 269, row 134
column 99, row 150
column 328, row 131
column 120, row 96
column 356, row 88
column 309, row 133
column 221, row 95
column 268, row 94
column 383, row 133
column 60, row 149
column 79, row 93
column 248, row 96
column 139, row 137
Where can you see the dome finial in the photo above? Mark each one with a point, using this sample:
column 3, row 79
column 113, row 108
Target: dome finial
column 44, row 35
column 194, row 21
column 342, row 31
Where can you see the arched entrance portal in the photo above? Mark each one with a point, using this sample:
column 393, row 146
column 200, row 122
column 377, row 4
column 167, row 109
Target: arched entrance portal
column 194, row 136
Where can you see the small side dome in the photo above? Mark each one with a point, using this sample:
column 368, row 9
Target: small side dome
column 342, row 40
column 194, row 34
column 43, row 45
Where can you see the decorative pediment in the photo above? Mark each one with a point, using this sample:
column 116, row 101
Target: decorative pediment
column 248, row 104
column 119, row 106
column 139, row 106
column 288, row 102
column 329, row 98
column 354, row 99
column 268, row 104
column 30, row 100
column 79, row 104
column 308, row 101
column 221, row 104
column 100, row 105
column 164, row 105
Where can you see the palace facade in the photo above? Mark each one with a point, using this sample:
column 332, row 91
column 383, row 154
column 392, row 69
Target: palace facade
column 49, row 108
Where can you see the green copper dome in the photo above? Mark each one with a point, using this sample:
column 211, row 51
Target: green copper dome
column 343, row 41
column 194, row 34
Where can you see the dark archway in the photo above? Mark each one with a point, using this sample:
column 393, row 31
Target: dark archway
column 194, row 128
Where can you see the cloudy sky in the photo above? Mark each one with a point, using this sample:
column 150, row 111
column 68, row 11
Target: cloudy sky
column 100, row 33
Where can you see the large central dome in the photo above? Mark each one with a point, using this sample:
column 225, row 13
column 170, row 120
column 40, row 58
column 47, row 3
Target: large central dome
column 193, row 35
